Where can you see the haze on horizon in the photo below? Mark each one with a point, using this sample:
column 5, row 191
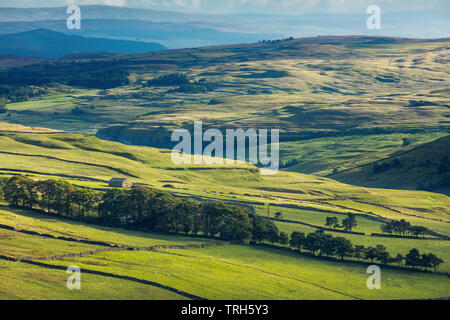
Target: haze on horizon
column 284, row 7
column 189, row 23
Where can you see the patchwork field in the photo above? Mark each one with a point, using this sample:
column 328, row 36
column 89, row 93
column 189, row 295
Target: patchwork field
column 364, row 130
column 222, row 272
column 339, row 102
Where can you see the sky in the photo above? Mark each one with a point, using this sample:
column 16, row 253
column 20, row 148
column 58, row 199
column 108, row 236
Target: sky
column 253, row 6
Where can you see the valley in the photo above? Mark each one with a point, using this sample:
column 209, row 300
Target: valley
column 363, row 134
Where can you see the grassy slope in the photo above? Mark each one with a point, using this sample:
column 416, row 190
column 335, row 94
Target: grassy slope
column 419, row 165
column 232, row 182
column 240, row 272
column 26, row 220
column 20, row 281
column 304, row 103
column 394, row 246
column 228, row 272
column 321, row 156
column 154, row 167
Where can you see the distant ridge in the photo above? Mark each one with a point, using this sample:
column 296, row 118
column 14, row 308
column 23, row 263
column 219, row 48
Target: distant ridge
column 425, row 167
column 45, row 43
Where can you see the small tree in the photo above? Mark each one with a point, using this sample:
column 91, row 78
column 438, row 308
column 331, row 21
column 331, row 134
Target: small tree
column 387, row 228
column 273, row 236
column 425, row 261
column 314, row 242
column 399, row 259
column 434, row 260
column 344, row 247
column 382, row 255
column 297, row 240
column 413, row 258
column 418, row 230
column 370, row 254
column 359, row 252
column 278, row 215
column 284, row 238
column 332, row 222
column 350, row 222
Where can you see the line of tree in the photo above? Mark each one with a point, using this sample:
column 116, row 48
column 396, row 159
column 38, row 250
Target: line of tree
column 91, row 74
column 182, row 83
column 277, row 40
column 20, row 93
column 156, row 210
column 348, row 223
column 322, row 244
column 139, row 207
column 404, row 228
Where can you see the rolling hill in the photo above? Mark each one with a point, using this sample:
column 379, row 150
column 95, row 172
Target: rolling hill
column 173, row 35
column 32, row 242
column 327, row 95
column 50, row 44
column 364, row 135
column 177, row 273
column 424, row 167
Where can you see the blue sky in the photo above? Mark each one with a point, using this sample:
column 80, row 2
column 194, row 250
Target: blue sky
column 254, row 6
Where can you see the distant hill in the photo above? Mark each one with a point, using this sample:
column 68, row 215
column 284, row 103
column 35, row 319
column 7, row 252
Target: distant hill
column 7, row 61
column 50, row 44
column 173, row 35
column 425, row 167
column 188, row 30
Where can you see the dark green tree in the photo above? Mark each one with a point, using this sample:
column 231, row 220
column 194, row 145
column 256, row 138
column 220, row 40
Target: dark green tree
column 20, row 191
column 278, row 215
column 297, row 240
column 350, row 222
column 370, row 254
column 435, row 261
column 359, row 252
column 332, row 222
column 344, row 247
column 284, row 238
column 399, row 259
column 413, row 258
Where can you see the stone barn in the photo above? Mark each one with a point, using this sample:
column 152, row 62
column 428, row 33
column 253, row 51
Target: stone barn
column 120, row 183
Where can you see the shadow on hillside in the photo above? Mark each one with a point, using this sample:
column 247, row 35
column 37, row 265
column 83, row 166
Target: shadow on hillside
column 37, row 214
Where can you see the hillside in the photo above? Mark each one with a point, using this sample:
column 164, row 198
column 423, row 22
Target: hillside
column 173, row 35
column 8, row 61
column 364, row 140
column 91, row 162
column 425, row 167
column 50, row 44
column 177, row 273
column 31, row 240
column 326, row 94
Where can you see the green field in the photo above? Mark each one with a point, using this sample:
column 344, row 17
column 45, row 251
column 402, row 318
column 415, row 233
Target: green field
column 213, row 273
column 344, row 106
column 338, row 105
column 21, row 281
